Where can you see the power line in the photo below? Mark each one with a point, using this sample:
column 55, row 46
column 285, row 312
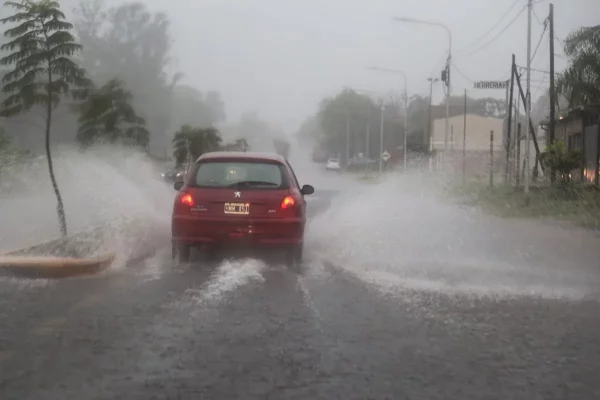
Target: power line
column 499, row 33
column 492, row 28
column 461, row 73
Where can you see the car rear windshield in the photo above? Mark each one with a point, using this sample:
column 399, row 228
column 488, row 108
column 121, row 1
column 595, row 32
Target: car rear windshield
column 240, row 174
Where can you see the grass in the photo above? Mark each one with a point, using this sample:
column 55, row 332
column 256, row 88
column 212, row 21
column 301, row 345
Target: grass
column 574, row 203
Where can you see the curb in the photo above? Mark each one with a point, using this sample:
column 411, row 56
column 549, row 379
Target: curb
column 57, row 258
column 54, row 267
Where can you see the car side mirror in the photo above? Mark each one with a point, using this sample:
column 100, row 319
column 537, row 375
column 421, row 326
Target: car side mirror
column 178, row 185
column 307, row 189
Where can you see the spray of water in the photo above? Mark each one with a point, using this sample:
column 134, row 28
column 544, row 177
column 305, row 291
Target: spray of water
column 400, row 236
column 229, row 276
column 108, row 187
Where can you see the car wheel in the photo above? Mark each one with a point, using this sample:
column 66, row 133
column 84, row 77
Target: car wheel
column 184, row 252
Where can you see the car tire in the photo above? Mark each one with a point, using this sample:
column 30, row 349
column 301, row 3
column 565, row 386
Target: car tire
column 184, row 252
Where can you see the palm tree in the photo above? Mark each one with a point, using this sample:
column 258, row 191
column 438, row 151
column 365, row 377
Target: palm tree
column 580, row 81
column 108, row 116
column 190, row 143
column 40, row 48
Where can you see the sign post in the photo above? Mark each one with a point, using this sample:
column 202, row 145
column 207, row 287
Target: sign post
column 385, row 156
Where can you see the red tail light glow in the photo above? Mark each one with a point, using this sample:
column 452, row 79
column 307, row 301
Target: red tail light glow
column 187, row 200
column 288, row 202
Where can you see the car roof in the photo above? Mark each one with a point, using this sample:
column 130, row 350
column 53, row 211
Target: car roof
column 248, row 155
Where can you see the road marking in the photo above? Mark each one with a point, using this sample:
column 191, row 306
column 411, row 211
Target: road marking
column 48, row 326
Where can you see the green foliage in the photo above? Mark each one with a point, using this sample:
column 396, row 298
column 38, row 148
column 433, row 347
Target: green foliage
column 40, row 51
column 580, row 81
column 192, row 107
column 237, row 145
column 190, row 143
column 131, row 42
column 359, row 112
column 108, row 116
column 558, row 158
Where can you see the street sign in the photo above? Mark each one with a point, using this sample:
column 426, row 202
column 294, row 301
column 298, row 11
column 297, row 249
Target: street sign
column 385, row 156
column 491, row 85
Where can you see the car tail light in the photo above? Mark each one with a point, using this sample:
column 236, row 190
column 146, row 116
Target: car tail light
column 288, row 202
column 187, row 200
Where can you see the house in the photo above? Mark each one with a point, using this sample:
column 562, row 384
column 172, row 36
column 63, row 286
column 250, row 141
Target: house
column 578, row 128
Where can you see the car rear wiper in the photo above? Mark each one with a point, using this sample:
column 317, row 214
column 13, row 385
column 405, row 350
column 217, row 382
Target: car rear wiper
column 253, row 183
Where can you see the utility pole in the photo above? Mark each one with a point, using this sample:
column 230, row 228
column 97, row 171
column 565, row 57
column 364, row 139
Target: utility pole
column 367, row 146
column 446, row 79
column 347, row 139
column 429, row 121
column 464, row 149
column 405, row 129
column 491, row 159
column 381, row 138
column 510, row 116
column 528, row 101
column 552, row 94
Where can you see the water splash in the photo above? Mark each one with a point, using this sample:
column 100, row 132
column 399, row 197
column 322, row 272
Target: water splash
column 400, row 237
column 109, row 187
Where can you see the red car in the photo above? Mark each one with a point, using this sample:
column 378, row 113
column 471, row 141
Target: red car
column 246, row 198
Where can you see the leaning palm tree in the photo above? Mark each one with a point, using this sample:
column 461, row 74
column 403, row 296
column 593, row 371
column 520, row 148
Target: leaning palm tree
column 580, row 81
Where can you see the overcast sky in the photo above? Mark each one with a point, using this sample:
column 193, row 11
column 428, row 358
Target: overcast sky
column 280, row 57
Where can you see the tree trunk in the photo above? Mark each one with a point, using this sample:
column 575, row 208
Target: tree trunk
column 60, row 208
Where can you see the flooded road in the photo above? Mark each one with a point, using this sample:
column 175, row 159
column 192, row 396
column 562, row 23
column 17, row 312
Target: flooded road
column 402, row 296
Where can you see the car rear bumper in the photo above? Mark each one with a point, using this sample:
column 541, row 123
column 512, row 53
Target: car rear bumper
column 192, row 230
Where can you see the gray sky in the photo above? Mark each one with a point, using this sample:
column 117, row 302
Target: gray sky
column 280, row 57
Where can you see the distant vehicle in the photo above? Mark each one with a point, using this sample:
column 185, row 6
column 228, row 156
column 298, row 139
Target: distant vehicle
column 173, row 175
column 235, row 198
column 333, row 164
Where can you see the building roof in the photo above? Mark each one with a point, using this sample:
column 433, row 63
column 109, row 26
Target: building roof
column 250, row 155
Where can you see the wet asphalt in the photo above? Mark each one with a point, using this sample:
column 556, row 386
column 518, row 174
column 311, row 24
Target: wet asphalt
column 255, row 329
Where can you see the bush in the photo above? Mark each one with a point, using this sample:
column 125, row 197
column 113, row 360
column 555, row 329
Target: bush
column 557, row 158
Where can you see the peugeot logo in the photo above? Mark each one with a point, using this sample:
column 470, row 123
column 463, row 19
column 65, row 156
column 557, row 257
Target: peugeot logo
column 237, row 194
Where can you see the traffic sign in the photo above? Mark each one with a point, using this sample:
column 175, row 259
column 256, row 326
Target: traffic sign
column 491, row 85
column 385, row 155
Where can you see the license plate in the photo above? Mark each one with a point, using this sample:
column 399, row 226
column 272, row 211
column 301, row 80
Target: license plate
column 237, row 208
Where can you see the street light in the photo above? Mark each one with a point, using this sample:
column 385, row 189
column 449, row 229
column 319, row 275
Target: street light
column 397, row 71
column 448, row 64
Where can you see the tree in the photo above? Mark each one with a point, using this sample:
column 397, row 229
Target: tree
column 190, row 143
column 580, row 81
column 131, row 42
column 345, row 117
column 559, row 159
column 41, row 49
column 237, row 145
column 108, row 116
